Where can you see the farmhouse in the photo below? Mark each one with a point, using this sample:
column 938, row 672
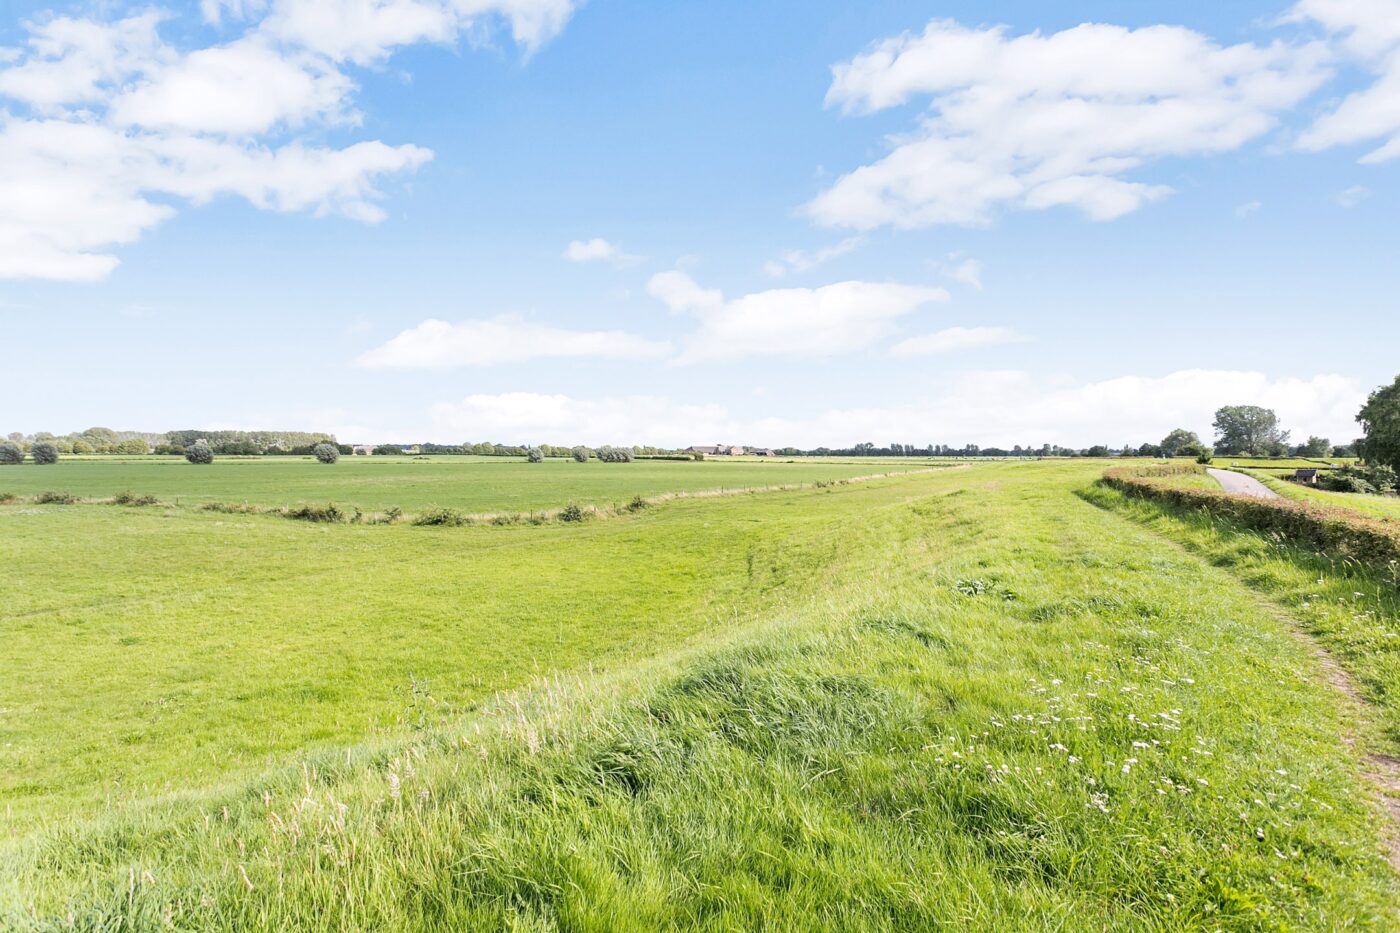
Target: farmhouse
column 365, row 449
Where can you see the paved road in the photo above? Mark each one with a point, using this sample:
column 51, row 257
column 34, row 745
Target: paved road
column 1240, row 485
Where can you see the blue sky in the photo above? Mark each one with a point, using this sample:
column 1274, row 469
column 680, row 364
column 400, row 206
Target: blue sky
column 767, row 223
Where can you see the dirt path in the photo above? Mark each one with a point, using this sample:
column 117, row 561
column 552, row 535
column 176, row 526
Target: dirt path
column 1240, row 485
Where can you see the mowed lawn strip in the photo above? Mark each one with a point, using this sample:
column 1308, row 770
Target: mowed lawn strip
column 1015, row 710
column 467, row 484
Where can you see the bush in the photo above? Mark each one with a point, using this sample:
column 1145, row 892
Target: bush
column 637, row 504
column 129, row 498
column 610, row 454
column 571, row 513
column 44, row 453
column 8, row 497
column 1334, row 531
column 580, row 454
column 326, row 453
column 231, row 508
column 199, row 453
column 1360, row 479
column 389, row 450
column 56, row 498
column 1204, row 457
column 330, row 512
column 11, row 453
column 441, row 517
column 534, row 455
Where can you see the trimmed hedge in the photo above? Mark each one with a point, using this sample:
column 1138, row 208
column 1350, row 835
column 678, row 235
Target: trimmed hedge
column 1374, row 542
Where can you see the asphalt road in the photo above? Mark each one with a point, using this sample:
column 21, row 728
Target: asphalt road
column 1240, row 485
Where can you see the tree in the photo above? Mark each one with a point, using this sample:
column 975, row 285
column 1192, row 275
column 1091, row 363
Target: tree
column 1317, row 447
column 134, row 445
column 1098, row 450
column 44, row 452
column 1380, row 420
column 534, row 455
column 580, row 454
column 389, row 450
column 82, row 447
column 1176, row 440
column 1249, row 429
column 326, row 453
column 199, row 453
column 10, row 453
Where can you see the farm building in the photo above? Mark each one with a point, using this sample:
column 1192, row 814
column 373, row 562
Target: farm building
column 362, row 449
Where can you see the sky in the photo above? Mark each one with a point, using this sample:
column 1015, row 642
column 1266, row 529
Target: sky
column 756, row 222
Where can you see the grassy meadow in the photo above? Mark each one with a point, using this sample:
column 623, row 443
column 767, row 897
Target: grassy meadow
column 468, row 484
column 997, row 697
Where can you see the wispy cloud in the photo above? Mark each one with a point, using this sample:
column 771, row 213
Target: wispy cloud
column 436, row 344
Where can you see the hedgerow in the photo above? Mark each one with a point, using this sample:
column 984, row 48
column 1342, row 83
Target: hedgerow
column 1342, row 532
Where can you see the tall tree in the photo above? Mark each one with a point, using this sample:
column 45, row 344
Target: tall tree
column 1179, row 439
column 1380, row 420
column 1248, row 429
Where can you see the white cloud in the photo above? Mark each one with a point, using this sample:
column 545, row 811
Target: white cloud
column 1367, row 31
column 968, row 272
column 990, row 408
column 243, row 88
column 507, row 339
column 1247, row 208
column 1353, row 196
column 823, row 321
column 796, row 260
column 957, row 338
column 106, row 122
column 367, row 31
column 598, row 250
column 1037, row 121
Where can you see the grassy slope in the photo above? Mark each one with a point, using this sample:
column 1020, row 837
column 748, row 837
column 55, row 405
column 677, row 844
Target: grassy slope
column 1007, row 709
column 151, row 648
column 464, row 483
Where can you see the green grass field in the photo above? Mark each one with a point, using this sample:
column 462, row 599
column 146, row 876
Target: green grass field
column 469, row 484
column 1000, row 697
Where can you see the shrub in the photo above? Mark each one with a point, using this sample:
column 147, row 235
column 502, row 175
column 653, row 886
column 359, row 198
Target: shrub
column 330, row 512
column 441, row 517
column 534, row 455
column 11, row 453
column 44, row 453
column 232, row 508
column 580, row 454
column 1204, row 457
column 199, row 453
column 637, row 504
column 1335, row 531
column 129, row 498
column 1360, row 479
column 610, row 454
column 8, row 497
column 326, row 453
column 571, row 513
column 389, row 450
column 57, row 498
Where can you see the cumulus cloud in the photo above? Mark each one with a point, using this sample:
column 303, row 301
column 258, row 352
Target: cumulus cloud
column 598, row 250
column 103, row 123
column 1037, row 121
column 810, row 322
column 957, row 338
column 989, row 408
column 1368, row 32
column 438, row 344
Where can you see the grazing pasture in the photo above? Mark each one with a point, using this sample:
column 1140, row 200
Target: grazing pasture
column 467, row 484
column 1000, row 697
